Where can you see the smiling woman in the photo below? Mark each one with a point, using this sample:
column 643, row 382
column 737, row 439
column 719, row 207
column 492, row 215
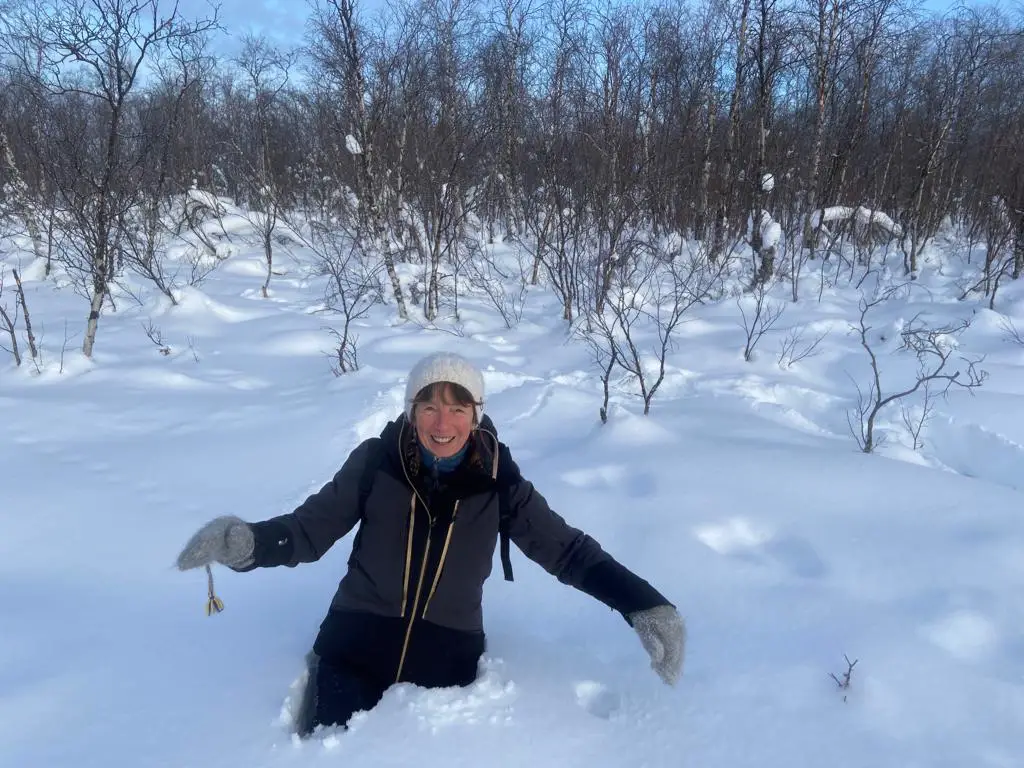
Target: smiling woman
column 431, row 496
column 444, row 402
column 444, row 418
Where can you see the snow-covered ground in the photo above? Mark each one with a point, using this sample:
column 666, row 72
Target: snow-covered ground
column 742, row 496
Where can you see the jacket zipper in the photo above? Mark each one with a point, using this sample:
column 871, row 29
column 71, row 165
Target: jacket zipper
column 415, row 603
column 444, row 556
column 426, row 554
column 408, row 561
column 412, row 523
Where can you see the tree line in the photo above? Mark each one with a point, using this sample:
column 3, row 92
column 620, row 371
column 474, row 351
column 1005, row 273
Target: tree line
column 590, row 132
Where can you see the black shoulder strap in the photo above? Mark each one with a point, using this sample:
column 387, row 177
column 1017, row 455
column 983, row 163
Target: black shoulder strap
column 504, row 517
column 374, row 456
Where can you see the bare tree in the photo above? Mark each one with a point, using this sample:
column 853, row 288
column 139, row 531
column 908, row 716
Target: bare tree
column 564, row 247
column 156, row 219
column 726, row 197
column 90, row 56
column 761, row 318
column 507, row 58
column 353, row 287
column 505, row 288
column 340, row 51
column 21, row 203
column 648, row 301
column 823, row 28
column 934, row 346
column 266, row 70
column 601, row 336
column 8, row 325
column 769, row 48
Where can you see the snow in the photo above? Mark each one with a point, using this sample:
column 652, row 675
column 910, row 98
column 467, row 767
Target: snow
column 860, row 214
column 352, row 145
column 206, row 200
column 771, row 231
column 767, row 182
column 742, row 497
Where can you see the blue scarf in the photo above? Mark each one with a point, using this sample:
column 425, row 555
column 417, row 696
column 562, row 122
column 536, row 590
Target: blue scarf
column 442, row 465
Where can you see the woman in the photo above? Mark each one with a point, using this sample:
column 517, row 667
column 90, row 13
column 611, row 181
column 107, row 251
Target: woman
column 430, row 496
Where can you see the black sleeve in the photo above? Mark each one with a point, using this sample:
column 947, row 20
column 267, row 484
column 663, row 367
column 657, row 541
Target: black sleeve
column 305, row 535
column 620, row 589
column 568, row 553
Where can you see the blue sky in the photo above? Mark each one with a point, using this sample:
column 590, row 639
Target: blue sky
column 279, row 20
column 284, row 22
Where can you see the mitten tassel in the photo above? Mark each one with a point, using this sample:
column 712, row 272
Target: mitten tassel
column 213, row 603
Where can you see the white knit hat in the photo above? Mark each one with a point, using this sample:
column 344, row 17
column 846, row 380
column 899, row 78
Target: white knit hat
column 445, row 366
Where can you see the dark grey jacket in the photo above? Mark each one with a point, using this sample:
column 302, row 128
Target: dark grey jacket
column 424, row 547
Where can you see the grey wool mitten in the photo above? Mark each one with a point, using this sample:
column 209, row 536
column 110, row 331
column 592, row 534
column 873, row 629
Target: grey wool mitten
column 228, row 540
column 663, row 635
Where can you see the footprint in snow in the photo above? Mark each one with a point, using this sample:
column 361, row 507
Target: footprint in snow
column 742, row 539
column 597, row 699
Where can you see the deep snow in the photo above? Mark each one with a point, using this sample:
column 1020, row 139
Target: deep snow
column 742, row 497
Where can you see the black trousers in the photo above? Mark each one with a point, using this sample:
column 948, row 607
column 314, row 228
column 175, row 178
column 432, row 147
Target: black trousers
column 333, row 694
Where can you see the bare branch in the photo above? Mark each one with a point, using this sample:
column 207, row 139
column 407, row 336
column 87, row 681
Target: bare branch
column 793, row 349
column 765, row 315
column 844, row 683
column 933, row 346
column 154, row 335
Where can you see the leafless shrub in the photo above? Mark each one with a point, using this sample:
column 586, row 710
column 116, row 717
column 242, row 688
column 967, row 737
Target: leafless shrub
column 934, row 347
column 763, row 317
column 1011, row 332
column 915, row 420
column 997, row 227
column 484, row 274
column 353, row 286
column 68, row 338
column 153, row 334
column 559, row 233
column 844, row 683
column 646, row 302
column 793, row 349
column 8, row 325
column 345, row 355
column 191, row 341
column 146, row 244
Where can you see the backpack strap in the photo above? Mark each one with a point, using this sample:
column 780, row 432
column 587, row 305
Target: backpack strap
column 374, row 458
column 504, row 518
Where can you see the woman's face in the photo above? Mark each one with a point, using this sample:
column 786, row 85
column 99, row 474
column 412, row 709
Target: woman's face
column 443, row 425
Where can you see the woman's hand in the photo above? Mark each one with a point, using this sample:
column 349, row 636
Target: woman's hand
column 663, row 634
column 228, row 540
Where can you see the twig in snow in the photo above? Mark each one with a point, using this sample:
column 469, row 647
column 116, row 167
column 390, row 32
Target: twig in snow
column 844, row 684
